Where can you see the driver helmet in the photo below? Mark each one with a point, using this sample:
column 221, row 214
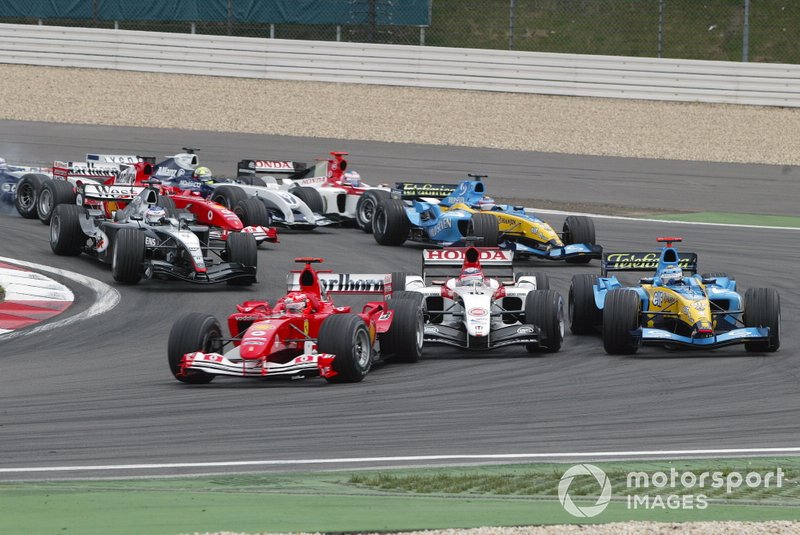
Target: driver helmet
column 486, row 203
column 295, row 304
column 154, row 215
column 3, row 164
column 671, row 275
column 202, row 173
column 471, row 277
column 352, row 178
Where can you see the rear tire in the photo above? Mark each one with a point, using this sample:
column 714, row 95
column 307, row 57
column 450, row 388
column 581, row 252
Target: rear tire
column 311, row 197
column 390, row 224
column 128, row 256
column 193, row 332
column 253, row 213
column 242, row 249
column 484, row 226
column 545, row 309
column 366, row 206
column 66, row 236
column 405, row 336
column 762, row 308
column 51, row 194
column 346, row 337
column 584, row 316
column 228, row 196
column 28, row 193
column 578, row 229
column 621, row 315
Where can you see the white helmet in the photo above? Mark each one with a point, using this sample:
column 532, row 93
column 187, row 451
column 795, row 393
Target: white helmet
column 671, row 275
column 470, row 277
column 3, row 164
column 154, row 215
column 295, row 304
column 352, row 178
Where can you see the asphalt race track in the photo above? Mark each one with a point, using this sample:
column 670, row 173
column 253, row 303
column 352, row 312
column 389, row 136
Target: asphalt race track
column 100, row 393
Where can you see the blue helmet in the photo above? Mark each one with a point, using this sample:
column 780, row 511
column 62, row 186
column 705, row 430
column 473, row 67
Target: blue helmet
column 671, row 275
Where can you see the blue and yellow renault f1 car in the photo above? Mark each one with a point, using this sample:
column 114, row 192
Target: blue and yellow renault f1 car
column 675, row 307
column 466, row 207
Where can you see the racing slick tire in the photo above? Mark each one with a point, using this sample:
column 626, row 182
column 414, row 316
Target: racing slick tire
column 242, row 248
column 484, row 226
column 390, row 225
column 66, row 236
column 584, row 316
column 545, row 309
column 621, row 315
column 347, row 338
column 127, row 257
column 398, row 281
column 228, row 196
column 404, row 337
column 311, row 197
column 252, row 212
column 542, row 280
column 27, row 194
column 365, row 208
column 408, row 295
column 578, row 229
column 762, row 308
column 51, row 194
column 193, row 332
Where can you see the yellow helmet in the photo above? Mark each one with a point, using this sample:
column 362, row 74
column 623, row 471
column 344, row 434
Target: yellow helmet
column 202, row 172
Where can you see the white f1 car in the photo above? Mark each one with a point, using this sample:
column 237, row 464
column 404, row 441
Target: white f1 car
column 478, row 312
column 326, row 187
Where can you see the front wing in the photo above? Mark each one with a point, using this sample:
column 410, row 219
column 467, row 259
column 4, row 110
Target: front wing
column 504, row 336
column 306, row 365
column 650, row 336
column 556, row 253
column 213, row 275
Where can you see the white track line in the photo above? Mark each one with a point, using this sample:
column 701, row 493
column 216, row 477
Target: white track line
column 106, row 298
column 649, row 220
column 747, row 452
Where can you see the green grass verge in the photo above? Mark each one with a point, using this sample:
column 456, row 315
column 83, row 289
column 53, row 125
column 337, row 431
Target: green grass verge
column 373, row 500
column 731, row 218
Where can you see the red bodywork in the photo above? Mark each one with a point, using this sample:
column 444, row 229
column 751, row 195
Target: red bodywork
column 276, row 334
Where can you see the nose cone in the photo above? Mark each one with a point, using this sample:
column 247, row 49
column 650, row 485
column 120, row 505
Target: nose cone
column 257, row 341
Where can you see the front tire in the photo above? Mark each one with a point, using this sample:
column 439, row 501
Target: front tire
column 193, row 332
column 66, row 236
column 128, row 256
column 311, row 197
column 52, row 193
column 242, row 249
column 584, row 316
column 762, row 308
column 545, row 309
column 252, row 212
column 228, row 196
column 578, row 229
column 346, row 337
column 621, row 315
column 390, row 226
column 366, row 206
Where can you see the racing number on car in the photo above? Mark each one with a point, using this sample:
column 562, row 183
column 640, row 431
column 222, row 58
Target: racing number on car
column 658, row 298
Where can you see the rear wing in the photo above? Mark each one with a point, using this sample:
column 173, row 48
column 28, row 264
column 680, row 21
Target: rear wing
column 119, row 158
column 494, row 262
column 417, row 190
column 270, row 167
column 93, row 170
column 643, row 262
column 346, row 283
column 102, row 192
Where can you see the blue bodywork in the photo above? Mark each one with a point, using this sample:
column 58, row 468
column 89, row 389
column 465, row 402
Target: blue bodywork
column 430, row 223
column 656, row 327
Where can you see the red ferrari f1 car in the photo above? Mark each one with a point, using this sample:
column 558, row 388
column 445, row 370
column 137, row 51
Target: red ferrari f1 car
column 304, row 334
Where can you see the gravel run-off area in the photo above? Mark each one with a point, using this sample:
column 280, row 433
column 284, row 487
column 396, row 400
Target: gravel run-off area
column 606, row 127
column 609, row 127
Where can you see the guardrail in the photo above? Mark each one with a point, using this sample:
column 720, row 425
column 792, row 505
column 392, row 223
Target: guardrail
column 402, row 65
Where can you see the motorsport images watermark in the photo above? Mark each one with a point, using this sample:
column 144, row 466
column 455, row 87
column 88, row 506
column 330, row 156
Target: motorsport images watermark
column 661, row 490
